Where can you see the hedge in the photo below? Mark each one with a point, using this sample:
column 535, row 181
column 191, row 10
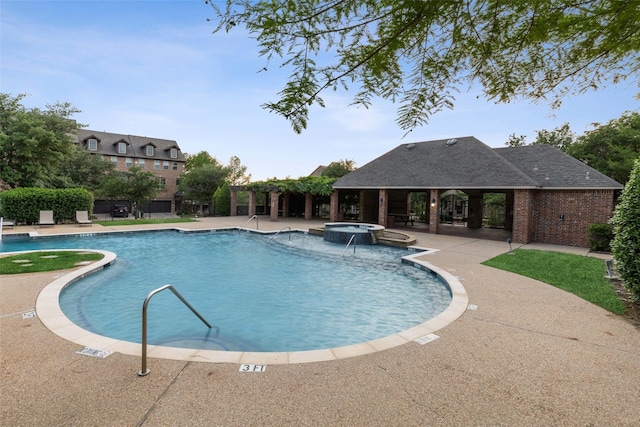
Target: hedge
column 600, row 236
column 23, row 205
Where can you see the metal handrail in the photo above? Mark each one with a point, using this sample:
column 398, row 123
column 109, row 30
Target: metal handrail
column 249, row 220
column 286, row 226
column 352, row 239
column 144, row 371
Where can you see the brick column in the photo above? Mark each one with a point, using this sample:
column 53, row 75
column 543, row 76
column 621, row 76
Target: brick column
column 474, row 218
column 285, row 205
column 274, row 206
column 234, row 203
column 522, row 216
column 308, row 206
column 383, row 203
column 334, row 206
column 252, row 203
column 434, row 206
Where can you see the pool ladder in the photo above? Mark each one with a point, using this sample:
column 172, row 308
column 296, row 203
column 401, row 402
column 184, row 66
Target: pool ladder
column 352, row 239
column 145, row 371
column 248, row 221
column 282, row 229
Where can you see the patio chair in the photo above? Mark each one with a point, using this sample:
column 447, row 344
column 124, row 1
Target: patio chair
column 46, row 218
column 82, row 218
column 8, row 223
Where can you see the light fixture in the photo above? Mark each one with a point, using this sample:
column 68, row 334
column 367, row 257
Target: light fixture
column 433, row 202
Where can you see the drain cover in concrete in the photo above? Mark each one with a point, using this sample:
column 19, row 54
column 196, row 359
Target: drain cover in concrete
column 427, row 338
column 94, row 352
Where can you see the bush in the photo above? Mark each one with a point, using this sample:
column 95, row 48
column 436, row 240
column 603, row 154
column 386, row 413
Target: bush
column 626, row 229
column 600, row 236
column 222, row 200
column 24, row 204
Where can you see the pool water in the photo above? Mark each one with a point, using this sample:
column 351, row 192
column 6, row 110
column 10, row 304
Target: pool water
column 289, row 292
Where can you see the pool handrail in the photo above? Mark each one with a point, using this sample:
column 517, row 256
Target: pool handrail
column 352, row 239
column 249, row 220
column 286, row 226
column 144, row 370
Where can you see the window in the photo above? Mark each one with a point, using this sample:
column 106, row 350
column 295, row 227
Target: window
column 128, row 162
column 174, row 153
column 149, row 150
column 162, row 183
column 141, row 163
column 175, row 166
column 92, row 144
column 122, row 147
column 114, row 160
column 177, row 182
column 156, row 164
column 165, row 165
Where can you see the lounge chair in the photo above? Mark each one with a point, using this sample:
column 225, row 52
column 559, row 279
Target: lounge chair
column 46, row 218
column 82, row 218
column 7, row 223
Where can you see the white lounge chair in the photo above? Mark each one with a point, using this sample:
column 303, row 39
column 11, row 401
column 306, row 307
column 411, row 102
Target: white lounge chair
column 82, row 218
column 7, row 223
column 46, row 218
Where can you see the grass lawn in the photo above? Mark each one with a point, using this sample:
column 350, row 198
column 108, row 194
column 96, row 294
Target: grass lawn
column 143, row 221
column 580, row 275
column 36, row 262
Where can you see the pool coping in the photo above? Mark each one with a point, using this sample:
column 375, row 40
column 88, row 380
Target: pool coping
column 49, row 312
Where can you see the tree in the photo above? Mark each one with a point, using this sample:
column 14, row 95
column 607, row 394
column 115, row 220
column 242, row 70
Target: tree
column 34, row 143
column 85, row 170
column 222, row 200
column 136, row 186
column 420, row 53
column 516, row 141
column 193, row 161
column 200, row 183
column 237, row 172
column 626, row 228
column 561, row 137
column 611, row 148
column 339, row 168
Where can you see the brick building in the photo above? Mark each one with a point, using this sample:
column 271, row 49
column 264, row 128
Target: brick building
column 162, row 157
column 550, row 197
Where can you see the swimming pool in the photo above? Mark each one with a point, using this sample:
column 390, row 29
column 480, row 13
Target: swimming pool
column 340, row 300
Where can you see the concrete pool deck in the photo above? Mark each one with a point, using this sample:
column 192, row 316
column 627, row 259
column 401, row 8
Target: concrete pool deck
column 524, row 353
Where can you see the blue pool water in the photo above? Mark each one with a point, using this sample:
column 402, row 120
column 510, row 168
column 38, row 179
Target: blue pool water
column 292, row 292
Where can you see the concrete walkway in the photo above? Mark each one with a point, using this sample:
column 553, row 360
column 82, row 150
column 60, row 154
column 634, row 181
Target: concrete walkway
column 525, row 353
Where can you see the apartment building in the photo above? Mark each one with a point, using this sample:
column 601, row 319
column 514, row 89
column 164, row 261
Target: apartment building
column 162, row 157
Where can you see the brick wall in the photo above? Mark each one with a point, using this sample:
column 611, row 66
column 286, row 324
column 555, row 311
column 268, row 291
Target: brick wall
column 522, row 216
column 562, row 217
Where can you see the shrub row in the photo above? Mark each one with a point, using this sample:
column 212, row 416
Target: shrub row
column 23, row 205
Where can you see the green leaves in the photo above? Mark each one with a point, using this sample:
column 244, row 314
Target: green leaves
column 34, row 142
column 421, row 53
column 626, row 229
column 321, row 186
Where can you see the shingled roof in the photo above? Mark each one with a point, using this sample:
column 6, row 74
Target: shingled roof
column 135, row 145
column 467, row 163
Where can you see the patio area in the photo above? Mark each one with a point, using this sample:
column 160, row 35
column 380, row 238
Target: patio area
column 523, row 353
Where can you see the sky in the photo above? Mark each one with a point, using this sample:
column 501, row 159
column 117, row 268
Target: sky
column 153, row 68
